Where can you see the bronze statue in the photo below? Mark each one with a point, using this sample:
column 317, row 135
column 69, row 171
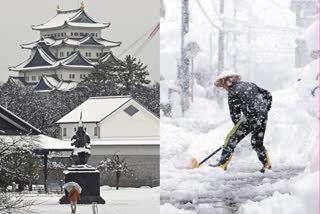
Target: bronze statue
column 81, row 152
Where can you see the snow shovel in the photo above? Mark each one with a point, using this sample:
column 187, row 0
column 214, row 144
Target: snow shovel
column 195, row 163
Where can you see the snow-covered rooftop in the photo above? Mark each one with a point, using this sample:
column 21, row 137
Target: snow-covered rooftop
column 75, row 18
column 114, row 142
column 41, row 142
column 95, row 109
column 42, row 60
column 49, row 83
column 50, row 41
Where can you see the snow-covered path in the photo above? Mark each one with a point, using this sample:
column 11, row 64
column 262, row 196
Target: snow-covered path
column 223, row 191
column 122, row 201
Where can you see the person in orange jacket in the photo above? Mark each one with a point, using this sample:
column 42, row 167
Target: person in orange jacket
column 74, row 197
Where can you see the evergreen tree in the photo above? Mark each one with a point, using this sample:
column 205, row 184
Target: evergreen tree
column 105, row 79
column 134, row 75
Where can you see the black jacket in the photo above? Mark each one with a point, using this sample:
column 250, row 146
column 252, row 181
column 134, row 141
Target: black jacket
column 250, row 100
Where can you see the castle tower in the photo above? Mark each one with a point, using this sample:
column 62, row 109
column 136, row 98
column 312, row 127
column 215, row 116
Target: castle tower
column 70, row 45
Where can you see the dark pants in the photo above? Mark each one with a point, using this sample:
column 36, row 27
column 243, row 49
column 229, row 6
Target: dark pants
column 257, row 127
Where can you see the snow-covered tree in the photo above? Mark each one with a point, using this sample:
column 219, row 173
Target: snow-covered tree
column 15, row 203
column 18, row 163
column 115, row 165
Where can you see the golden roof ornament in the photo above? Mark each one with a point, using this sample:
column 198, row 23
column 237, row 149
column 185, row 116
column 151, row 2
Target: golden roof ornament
column 58, row 8
column 82, row 5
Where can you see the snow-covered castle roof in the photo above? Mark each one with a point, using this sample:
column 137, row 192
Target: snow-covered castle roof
column 87, row 40
column 42, row 59
column 74, row 18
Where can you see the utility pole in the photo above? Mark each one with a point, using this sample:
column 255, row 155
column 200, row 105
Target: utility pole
column 184, row 74
column 210, row 53
column 221, row 41
column 235, row 53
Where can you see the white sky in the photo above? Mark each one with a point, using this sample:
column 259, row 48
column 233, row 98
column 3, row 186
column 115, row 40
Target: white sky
column 129, row 20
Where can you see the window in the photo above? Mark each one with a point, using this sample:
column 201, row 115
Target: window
column 89, row 54
column 71, row 33
column 96, row 35
column 131, row 110
column 95, row 131
column 76, row 34
column 58, row 34
column 75, row 129
column 80, row 76
column 97, row 54
column 39, row 77
column 61, row 54
column 33, row 78
column 81, row 34
column 61, row 76
column 71, row 76
column 27, row 78
column 64, row 131
column 92, row 34
column 68, row 54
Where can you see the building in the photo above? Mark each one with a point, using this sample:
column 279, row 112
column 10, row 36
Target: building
column 15, row 130
column 70, row 45
column 119, row 125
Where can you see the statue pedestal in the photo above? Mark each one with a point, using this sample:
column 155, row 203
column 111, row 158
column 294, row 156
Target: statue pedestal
column 89, row 180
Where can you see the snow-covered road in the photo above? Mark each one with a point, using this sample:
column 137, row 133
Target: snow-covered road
column 223, row 191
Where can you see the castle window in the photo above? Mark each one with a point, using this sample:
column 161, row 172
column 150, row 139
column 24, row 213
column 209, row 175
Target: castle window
column 71, row 33
column 95, row 131
column 64, row 131
column 33, row 78
column 92, row 34
column 97, row 54
column 71, row 76
column 96, row 35
column 76, row 34
column 68, row 54
column 27, row 78
column 61, row 54
column 58, row 34
column 81, row 34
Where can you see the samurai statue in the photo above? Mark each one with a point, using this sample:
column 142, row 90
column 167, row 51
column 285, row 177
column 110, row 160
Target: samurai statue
column 81, row 141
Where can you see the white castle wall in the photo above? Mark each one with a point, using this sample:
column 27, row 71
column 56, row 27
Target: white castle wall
column 69, row 30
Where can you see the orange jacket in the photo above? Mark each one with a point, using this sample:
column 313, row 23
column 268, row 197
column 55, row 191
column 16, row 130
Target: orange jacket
column 74, row 195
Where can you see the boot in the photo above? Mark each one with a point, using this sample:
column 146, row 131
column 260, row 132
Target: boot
column 226, row 156
column 264, row 159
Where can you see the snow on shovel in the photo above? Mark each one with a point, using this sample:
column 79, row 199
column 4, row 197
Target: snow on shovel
column 196, row 164
column 68, row 186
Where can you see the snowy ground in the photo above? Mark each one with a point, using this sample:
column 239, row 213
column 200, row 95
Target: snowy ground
column 122, row 201
column 291, row 187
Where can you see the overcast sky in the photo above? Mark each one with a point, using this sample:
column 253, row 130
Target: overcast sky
column 129, row 20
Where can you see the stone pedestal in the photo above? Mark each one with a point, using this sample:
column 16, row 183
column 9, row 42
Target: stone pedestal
column 89, row 180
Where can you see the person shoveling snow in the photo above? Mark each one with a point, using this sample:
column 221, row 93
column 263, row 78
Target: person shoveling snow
column 249, row 106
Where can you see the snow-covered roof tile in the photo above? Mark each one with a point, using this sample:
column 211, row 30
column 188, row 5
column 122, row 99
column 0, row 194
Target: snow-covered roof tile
column 95, row 109
column 71, row 18
column 112, row 142
column 17, row 121
column 40, row 142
